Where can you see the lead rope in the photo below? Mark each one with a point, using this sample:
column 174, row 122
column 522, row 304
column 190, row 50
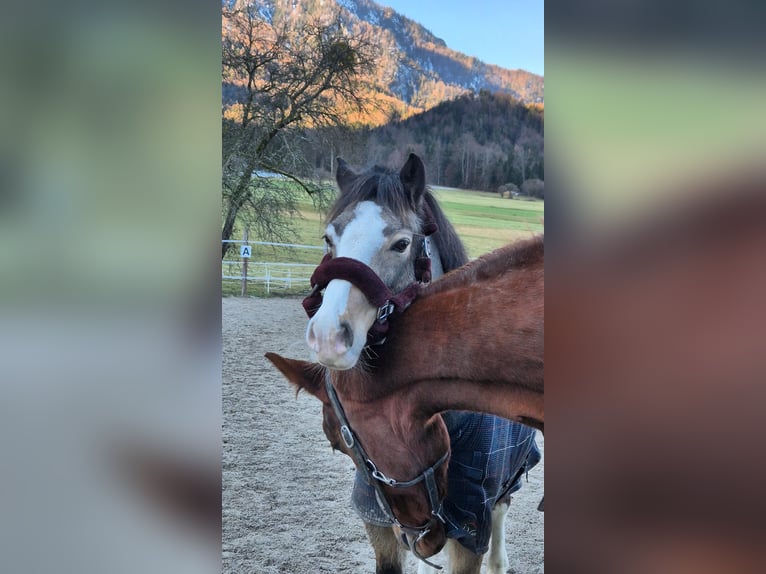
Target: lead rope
column 364, row 462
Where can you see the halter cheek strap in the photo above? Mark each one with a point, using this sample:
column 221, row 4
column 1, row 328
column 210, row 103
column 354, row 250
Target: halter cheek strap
column 423, row 262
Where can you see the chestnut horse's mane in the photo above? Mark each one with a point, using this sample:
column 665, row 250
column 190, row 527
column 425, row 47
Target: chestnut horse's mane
column 514, row 256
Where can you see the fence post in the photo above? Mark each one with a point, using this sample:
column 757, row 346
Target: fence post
column 244, row 272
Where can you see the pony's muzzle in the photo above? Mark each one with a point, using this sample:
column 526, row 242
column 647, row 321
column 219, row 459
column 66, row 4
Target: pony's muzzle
column 339, row 339
column 338, row 330
column 330, row 344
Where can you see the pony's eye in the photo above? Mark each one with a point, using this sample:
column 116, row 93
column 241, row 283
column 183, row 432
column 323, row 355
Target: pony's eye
column 327, row 240
column 400, row 245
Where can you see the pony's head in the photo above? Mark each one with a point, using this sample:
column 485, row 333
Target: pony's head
column 377, row 220
column 400, row 451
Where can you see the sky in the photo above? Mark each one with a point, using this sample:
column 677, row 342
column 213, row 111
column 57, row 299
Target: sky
column 508, row 33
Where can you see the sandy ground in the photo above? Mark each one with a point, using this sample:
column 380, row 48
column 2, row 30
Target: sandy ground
column 286, row 495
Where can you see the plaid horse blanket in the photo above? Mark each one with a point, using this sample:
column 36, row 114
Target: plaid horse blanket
column 489, row 456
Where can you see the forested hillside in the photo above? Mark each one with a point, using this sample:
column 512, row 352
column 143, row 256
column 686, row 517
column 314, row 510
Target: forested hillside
column 477, row 141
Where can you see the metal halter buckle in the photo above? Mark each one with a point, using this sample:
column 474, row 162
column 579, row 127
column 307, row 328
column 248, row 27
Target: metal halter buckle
column 427, row 246
column 377, row 475
column 385, row 311
column 347, row 436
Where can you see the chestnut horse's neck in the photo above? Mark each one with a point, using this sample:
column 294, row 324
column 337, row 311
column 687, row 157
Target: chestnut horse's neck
column 473, row 341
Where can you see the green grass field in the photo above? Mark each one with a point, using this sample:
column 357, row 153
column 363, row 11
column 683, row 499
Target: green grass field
column 483, row 220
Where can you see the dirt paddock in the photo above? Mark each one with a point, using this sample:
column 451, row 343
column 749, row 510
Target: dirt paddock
column 286, row 495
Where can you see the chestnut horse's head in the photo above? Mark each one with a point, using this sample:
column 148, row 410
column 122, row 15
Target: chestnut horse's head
column 400, row 451
column 378, row 221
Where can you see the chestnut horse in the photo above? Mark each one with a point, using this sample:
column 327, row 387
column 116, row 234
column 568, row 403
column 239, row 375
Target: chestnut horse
column 387, row 232
column 443, row 354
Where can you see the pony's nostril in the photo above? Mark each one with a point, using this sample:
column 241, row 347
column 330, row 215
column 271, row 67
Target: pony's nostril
column 346, row 334
column 312, row 339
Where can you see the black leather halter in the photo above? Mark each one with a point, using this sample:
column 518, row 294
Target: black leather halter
column 376, row 477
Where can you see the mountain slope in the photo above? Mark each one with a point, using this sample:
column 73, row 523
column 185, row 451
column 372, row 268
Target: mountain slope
column 416, row 70
column 425, row 61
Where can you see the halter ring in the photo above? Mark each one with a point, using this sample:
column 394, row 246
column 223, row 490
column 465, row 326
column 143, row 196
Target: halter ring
column 347, row 436
column 385, row 311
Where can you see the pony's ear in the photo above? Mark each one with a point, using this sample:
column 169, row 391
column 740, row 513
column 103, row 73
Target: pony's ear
column 413, row 176
column 344, row 175
column 302, row 374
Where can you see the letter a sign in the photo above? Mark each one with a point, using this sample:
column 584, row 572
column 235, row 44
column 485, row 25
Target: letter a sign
column 244, row 251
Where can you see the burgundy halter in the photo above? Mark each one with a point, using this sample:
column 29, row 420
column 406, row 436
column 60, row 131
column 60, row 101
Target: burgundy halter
column 368, row 282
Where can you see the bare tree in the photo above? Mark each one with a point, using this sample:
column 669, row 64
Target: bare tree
column 279, row 79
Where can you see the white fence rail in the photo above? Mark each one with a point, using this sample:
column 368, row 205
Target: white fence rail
column 274, row 275
column 272, row 244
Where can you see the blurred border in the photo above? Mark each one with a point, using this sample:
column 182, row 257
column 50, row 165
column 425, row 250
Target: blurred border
column 109, row 310
column 656, row 228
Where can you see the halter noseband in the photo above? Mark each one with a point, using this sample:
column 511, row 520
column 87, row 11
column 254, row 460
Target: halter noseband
column 368, row 282
column 375, row 477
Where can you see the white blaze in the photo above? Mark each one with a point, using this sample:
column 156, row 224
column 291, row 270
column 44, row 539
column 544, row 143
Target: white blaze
column 361, row 239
